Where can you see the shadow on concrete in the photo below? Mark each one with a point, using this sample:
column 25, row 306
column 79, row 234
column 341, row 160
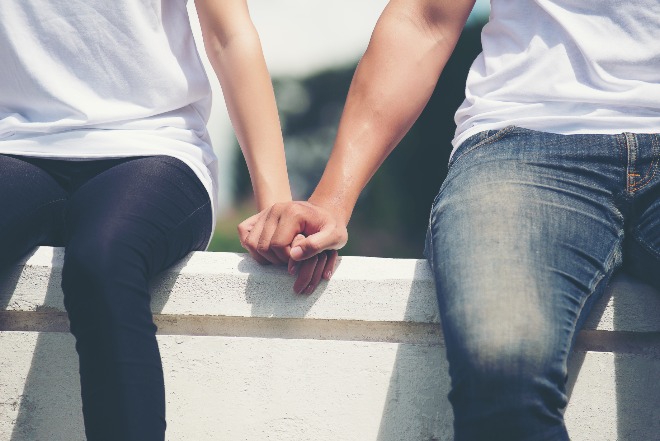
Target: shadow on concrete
column 268, row 299
column 161, row 285
column 578, row 355
column 8, row 280
column 637, row 376
column 50, row 408
column 411, row 394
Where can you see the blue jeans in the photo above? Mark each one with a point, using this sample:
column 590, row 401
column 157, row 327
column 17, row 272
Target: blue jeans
column 524, row 234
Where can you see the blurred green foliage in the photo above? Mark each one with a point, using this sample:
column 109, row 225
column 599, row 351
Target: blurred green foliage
column 391, row 216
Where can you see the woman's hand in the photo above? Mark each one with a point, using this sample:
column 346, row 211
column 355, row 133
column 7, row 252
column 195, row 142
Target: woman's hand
column 257, row 241
column 298, row 233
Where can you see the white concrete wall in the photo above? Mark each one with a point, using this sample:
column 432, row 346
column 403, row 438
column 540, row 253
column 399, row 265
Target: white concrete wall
column 362, row 359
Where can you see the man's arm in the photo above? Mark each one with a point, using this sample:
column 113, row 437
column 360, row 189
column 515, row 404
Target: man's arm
column 234, row 49
column 410, row 46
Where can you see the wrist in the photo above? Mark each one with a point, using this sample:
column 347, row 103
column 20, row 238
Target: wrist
column 267, row 193
column 265, row 203
column 339, row 208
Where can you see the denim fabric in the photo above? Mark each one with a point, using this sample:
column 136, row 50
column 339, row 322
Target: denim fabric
column 524, row 234
column 121, row 221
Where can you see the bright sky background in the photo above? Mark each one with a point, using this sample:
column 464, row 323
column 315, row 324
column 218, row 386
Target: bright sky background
column 299, row 37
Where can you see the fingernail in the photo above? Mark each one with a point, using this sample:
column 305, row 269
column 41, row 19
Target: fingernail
column 296, row 252
column 292, row 270
column 309, row 289
column 328, row 274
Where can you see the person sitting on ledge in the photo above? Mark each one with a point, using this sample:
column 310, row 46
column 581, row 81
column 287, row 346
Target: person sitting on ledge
column 553, row 184
column 104, row 150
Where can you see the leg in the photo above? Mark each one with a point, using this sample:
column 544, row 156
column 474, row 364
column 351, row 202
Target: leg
column 521, row 238
column 123, row 226
column 32, row 208
column 642, row 251
column 642, row 246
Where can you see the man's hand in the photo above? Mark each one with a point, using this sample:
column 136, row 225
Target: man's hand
column 301, row 234
column 311, row 271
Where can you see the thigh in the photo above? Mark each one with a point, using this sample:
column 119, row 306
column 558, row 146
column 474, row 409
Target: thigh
column 523, row 232
column 154, row 208
column 642, row 250
column 523, row 236
column 32, row 207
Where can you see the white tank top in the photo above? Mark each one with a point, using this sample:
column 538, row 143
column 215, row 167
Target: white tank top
column 90, row 79
column 566, row 66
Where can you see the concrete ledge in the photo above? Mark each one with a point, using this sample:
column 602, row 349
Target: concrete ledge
column 361, row 359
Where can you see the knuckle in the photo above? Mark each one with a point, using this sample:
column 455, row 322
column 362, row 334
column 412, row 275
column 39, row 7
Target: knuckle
column 278, row 243
column 262, row 248
column 258, row 258
column 242, row 234
column 251, row 243
column 279, row 207
column 295, row 210
column 313, row 244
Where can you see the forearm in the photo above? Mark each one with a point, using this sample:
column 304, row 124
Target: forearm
column 393, row 82
column 235, row 53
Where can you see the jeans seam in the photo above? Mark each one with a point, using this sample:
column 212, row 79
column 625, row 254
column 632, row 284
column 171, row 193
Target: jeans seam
column 609, row 264
column 430, row 256
column 638, row 238
column 641, row 185
column 487, row 141
column 167, row 234
column 593, row 284
column 34, row 210
column 206, row 238
column 190, row 215
column 623, row 152
column 173, row 230
column 654, row 168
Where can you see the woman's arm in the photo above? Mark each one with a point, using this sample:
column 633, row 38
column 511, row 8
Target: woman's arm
column 234, row 49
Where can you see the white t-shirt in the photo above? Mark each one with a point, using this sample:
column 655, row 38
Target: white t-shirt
column 91, row 79
column 566, row 66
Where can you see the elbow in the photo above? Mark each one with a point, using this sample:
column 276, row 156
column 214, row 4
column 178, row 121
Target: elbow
column 440, row 21
column 218, row 43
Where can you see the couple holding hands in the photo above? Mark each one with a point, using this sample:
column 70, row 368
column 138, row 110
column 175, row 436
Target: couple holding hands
column 552, row 183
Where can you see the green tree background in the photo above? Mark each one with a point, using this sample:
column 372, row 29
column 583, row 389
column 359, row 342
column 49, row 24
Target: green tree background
column 391, row 216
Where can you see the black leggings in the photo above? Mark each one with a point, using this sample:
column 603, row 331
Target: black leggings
column 121, row 221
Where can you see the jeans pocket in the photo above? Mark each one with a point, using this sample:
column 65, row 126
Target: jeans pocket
column 479, row 140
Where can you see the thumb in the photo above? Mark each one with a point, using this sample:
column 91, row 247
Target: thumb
column 292, row 268
column 329, row 239
column 297, row 240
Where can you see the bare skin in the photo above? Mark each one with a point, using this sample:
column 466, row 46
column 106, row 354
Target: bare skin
column 234, row 49
column 395, row 78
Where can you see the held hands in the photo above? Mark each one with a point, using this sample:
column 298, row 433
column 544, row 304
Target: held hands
column 303, row 235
